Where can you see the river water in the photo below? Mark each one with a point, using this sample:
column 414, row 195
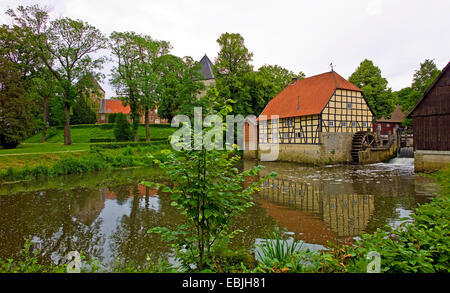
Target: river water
column 106, row 215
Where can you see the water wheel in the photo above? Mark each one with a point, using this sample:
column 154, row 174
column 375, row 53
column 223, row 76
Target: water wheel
column 362, row 140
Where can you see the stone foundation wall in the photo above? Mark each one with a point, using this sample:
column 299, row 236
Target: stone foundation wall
column 333, row 148
column 429, row 161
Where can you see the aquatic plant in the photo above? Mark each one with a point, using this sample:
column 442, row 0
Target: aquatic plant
column 275, row 250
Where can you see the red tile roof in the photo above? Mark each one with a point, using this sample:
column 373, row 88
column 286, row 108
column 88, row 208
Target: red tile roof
column 116, row 106
column 311, row 94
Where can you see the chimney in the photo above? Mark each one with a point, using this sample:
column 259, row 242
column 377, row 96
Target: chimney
column 294, row 80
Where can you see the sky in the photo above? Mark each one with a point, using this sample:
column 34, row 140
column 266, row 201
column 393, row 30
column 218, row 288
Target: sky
column 306, row 36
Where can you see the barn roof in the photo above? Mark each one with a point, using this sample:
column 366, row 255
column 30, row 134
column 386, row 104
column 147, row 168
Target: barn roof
column 308, row 96
column 110, row 106
column 447, row 67
column 207, row 68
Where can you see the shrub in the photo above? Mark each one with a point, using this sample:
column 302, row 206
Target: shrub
column 122, row 129
column 112, row 117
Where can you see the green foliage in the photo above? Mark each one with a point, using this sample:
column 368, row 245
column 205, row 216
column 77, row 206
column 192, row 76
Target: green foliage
column 375, row 88
column 134, row 72
column 112, row 117
column 443, row 177
column 209, row 191
column 236, row 79
column 65, row 47
column 82, row 112
column 122, row 129
column 424, row 76
column 278, row 252
column 422, row 80
column 420, row 245
column 178, row 86
column 231, row 64
column 27, row 262
column 16, row 118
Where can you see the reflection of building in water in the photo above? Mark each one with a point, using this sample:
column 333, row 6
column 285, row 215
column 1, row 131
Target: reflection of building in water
column 142, row 191
column 344, row 214
column 88, row 208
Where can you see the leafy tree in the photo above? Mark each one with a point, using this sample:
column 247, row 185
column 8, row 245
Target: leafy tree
column 122, row 129
column 231, row 64
column 209, row 190
column 134, row 77
column 425, row 76
column 279, row 76
column 422, row 80
column 65, row 46
column 82, row 112
column 375, row 88
column 15, row 48
column 179, row 87
column 263, row 85
column 16, row 117
column 44, row 90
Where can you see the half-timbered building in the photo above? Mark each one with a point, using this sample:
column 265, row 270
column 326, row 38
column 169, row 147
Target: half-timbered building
column 322, row 103
column 314, row 120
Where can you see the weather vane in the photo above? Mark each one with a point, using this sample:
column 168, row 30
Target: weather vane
column 332, row 66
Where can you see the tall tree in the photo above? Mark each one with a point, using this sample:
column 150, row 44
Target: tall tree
column 16, row 117
column 375, row 88
column 425, row 76
column 422, row 80
column 231, row 64
column 179, row 86
column 44, row 89
column 66, row 47
column 134, row 76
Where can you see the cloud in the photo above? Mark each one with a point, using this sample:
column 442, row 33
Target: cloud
column 298, row 35
column 374, row 7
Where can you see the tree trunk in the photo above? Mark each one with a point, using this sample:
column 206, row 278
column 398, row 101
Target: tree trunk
column 67, row 140
column 44, row 130
column 136, row 128
column 147, row 129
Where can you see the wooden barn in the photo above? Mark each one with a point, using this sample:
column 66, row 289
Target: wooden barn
column 431, row 125
column 387, row 126
column 318, row 118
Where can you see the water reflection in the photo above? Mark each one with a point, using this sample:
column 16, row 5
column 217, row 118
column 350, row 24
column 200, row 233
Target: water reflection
column 336, row 202
column 106, row 215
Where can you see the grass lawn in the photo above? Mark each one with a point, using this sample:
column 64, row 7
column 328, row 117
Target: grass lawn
column 81, row 134
column 32, row 152
column 33, row 148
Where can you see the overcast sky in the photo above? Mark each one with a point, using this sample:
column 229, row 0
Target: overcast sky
column 298, row 35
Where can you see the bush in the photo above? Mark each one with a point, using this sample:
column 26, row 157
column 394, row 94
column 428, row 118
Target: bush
column 119, row 145
column 122, row 129
column 112, row 117
column 9, row 142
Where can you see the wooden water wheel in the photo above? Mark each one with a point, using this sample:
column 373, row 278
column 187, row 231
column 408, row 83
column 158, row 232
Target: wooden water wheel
column 362, row 140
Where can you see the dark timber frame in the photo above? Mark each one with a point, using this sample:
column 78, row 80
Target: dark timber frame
column 346, row 111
